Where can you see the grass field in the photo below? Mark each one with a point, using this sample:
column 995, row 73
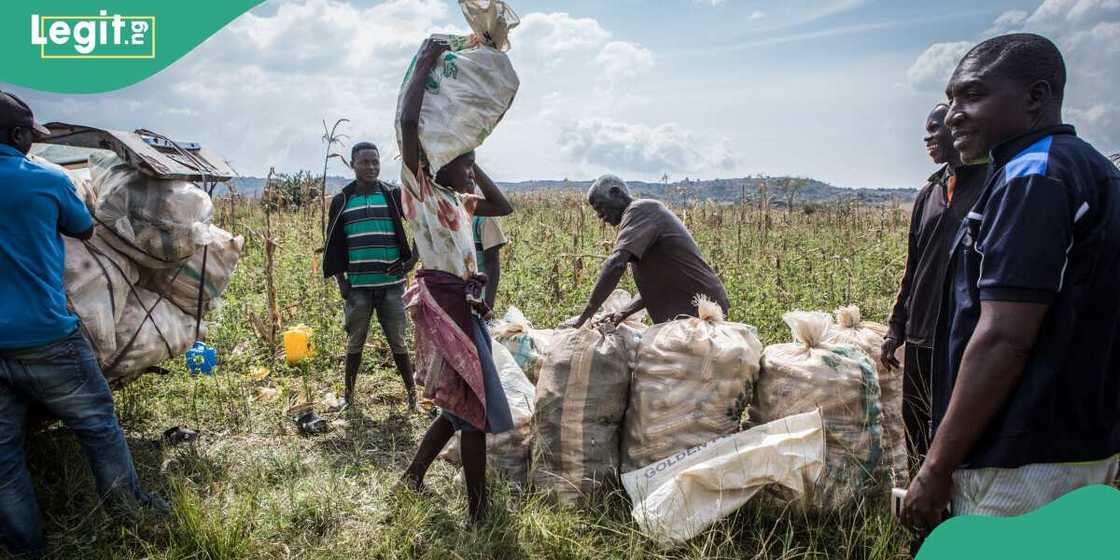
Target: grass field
column 251, row 487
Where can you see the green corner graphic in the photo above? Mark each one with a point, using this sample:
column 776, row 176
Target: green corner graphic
column 84, row 46
column 1081, row 524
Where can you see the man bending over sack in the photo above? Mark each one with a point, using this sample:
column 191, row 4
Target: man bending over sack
column 668, row 268
column 1026, row 374
column 368, row 253
column 44, row 359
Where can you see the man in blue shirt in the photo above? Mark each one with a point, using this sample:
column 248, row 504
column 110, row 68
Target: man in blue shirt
column 44, row 360
column 1026, row 374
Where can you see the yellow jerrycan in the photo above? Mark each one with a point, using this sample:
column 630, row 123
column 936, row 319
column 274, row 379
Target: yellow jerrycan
column 297, row 344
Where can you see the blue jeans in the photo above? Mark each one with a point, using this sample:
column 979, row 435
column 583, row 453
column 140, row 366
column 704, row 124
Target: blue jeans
column 64, row 378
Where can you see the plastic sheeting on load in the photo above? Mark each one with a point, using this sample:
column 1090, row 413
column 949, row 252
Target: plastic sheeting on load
column 156, row 223
column 98, row 280
column 180, row 284
column 151, row 330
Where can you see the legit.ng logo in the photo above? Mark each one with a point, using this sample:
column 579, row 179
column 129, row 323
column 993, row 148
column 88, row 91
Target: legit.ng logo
column 102, row 36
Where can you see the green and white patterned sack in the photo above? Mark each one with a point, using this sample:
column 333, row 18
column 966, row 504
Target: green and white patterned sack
column 867, row 336
column 471, row 87
column 841, row 381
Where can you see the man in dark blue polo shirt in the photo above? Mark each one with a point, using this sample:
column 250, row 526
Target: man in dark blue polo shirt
column 44, row 360
column 1026, row 385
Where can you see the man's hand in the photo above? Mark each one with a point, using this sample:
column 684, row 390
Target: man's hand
column 612, row 319
column 576, row 322
column 890, row 345
column 401, row 267
column 927, row 500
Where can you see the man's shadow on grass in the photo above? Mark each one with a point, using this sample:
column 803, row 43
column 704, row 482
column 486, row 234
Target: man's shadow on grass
column 386, row 442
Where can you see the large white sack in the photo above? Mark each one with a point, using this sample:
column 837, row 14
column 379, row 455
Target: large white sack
column 81, row 184
column 868, row 336
column 156, row 223
column 678, row 497
column 528, row 345
column 98, row 280
column 581, row 399
column 180, row 284
column 692, row 380
column 508, row 452
column 471, row 87
column 151, row 330
column 838, row 379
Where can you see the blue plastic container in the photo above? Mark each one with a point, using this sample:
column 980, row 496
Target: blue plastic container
column 201, row 358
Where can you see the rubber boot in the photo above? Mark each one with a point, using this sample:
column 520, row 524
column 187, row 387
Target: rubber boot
column 437, row 436
column 404, row 367
column 353, row 363
column 473, row 447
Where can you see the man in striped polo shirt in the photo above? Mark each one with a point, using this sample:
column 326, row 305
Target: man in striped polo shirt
column 368, row 253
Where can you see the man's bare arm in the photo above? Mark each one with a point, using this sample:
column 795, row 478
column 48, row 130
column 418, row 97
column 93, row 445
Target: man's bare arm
column 631, row 308
column 609, row 276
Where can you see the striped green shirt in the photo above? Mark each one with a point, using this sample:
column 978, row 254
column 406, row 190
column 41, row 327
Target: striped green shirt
column 371, row 241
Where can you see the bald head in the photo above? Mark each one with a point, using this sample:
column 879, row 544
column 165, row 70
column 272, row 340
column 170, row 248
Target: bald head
column 610, row 197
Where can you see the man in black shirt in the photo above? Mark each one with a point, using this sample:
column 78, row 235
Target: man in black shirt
column 1026, row 384
column 938, row 210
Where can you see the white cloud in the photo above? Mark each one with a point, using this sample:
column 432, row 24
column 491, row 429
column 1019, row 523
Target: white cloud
column 710, row 2
column 626, row 147
column 934, row 66
column 621, row 59
column 1088, row 33
column 757, row 15
column 553, row 34
column 258, row 90
column 1012, row 19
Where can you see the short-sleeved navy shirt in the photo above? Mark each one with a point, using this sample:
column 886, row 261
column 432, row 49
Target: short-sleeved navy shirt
column 1045, row 230
column 36, row 205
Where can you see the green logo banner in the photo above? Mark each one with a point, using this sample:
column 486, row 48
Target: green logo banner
column 1081, row 524
column 96, row 46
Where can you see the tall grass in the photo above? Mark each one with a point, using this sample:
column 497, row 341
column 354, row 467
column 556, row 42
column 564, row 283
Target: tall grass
column 251, row 487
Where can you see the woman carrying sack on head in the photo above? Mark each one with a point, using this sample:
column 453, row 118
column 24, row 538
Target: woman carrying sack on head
column 446, row 303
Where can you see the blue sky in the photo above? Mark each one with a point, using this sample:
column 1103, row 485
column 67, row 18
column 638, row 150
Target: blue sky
column 831, row 89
